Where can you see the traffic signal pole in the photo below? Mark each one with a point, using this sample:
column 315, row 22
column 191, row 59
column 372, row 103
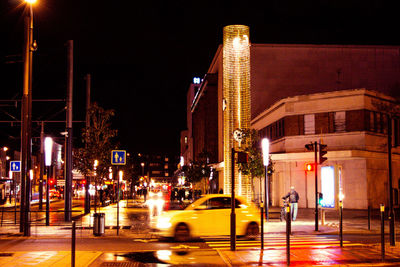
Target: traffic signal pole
column 68, row 141
column 316, row 184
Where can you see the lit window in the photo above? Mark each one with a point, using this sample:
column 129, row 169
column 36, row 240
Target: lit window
column 309, row 124
column 166, row 174
column 166, row 159
column 186, row 139
column 166, row 166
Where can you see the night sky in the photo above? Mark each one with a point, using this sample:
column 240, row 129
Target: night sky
column 142, row 55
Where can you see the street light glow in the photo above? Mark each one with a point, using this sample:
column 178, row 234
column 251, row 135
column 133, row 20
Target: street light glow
column 48, row 147
column 30, row 1
column 265, row 151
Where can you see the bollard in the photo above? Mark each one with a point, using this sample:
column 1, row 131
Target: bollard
column 288, row 232
column 341, row 223
column 383, row 231
column 369, row 218
column 262, row 225
column 73, row 244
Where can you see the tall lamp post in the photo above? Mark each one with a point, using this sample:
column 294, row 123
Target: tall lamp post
column 48, row 148
column 26, row 114
column 265, row 151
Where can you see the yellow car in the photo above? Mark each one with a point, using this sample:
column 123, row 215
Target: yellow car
column 207, row 216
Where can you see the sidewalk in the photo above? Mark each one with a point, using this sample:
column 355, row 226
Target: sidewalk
column 355, row 222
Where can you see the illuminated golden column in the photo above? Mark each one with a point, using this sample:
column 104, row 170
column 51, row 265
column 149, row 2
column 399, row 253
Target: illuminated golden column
column 236, row 93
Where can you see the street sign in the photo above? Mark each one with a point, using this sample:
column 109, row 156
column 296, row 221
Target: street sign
column 118, row 157
column 15, row 166
column 61, row 182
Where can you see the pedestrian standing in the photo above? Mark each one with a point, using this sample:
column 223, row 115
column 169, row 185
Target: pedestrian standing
column 293, row 200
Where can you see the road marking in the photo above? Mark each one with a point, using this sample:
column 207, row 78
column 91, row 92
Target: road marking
column 280, row 242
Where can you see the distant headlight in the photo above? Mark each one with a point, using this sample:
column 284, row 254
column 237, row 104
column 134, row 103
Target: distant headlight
column 159, row 194
column 151, row 194
column 164, row 223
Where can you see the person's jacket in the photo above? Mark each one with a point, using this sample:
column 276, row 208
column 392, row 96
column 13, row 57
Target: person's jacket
column 293, row 196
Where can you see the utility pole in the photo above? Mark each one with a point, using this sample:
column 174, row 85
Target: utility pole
column 87, row 177
column 68, row 141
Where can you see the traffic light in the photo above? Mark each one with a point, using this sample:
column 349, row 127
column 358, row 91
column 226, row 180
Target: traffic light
column 83, row 182
column 322, row 152
column 241, row 157
column 320, row 198
column 309, row 167
column 310, row 147
column 51, row 181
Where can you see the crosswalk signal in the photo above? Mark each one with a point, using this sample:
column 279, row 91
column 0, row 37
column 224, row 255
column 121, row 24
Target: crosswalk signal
column 322, row 152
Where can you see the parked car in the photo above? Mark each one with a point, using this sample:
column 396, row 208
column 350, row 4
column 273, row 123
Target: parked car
column 208, row 216
column 54, row 193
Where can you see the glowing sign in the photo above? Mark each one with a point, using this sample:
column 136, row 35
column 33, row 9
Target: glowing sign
column 328, row 186
column 196, row 80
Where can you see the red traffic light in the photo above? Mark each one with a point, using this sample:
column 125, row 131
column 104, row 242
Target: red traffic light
column 309, row 167
column 51, row 181
column 83, row 181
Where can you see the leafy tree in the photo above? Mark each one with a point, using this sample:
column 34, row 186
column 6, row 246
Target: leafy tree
column 98, row 141
column 254, row 166
column 199, row 169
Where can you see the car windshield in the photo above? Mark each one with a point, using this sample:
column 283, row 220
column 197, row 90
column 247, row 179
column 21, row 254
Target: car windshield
column 214, row 203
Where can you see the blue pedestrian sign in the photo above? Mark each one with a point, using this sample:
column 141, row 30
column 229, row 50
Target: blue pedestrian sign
column 15, row 166
column 118, row 157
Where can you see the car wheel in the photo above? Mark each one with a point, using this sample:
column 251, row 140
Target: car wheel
column 182, row 233
column 252, row 231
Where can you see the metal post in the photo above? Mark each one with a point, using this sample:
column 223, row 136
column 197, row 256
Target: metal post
column 391, row 210
column 316, row 184
column 48, row 197
column 262, row 225
column 73, row 244
column 266, row 193
column 41, row 166
column 369, row 217
column 117, row 200
column 382, row 209
column 341, row 222
column 68, row 154
column 87, row 177
column 288, row 232
column 233, row 215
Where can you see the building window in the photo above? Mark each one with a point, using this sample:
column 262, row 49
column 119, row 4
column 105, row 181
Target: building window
column 166, row 159
column 186, row 140
column 340, row 121
column 166, row 174
column 166, row 166
column 309, row 124
column 372, row 121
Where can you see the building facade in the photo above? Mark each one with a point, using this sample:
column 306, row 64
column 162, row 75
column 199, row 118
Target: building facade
column 294, row 73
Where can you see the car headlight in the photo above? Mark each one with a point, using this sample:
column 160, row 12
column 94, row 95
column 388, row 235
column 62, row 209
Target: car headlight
column 164, row 222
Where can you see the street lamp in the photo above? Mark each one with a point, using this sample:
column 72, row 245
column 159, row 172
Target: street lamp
column 265, row 152
column 142, row 164
column 26, row 120
column 48, row 149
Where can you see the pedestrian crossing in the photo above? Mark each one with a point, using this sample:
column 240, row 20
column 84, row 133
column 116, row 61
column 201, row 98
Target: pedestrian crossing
column 279, row 241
